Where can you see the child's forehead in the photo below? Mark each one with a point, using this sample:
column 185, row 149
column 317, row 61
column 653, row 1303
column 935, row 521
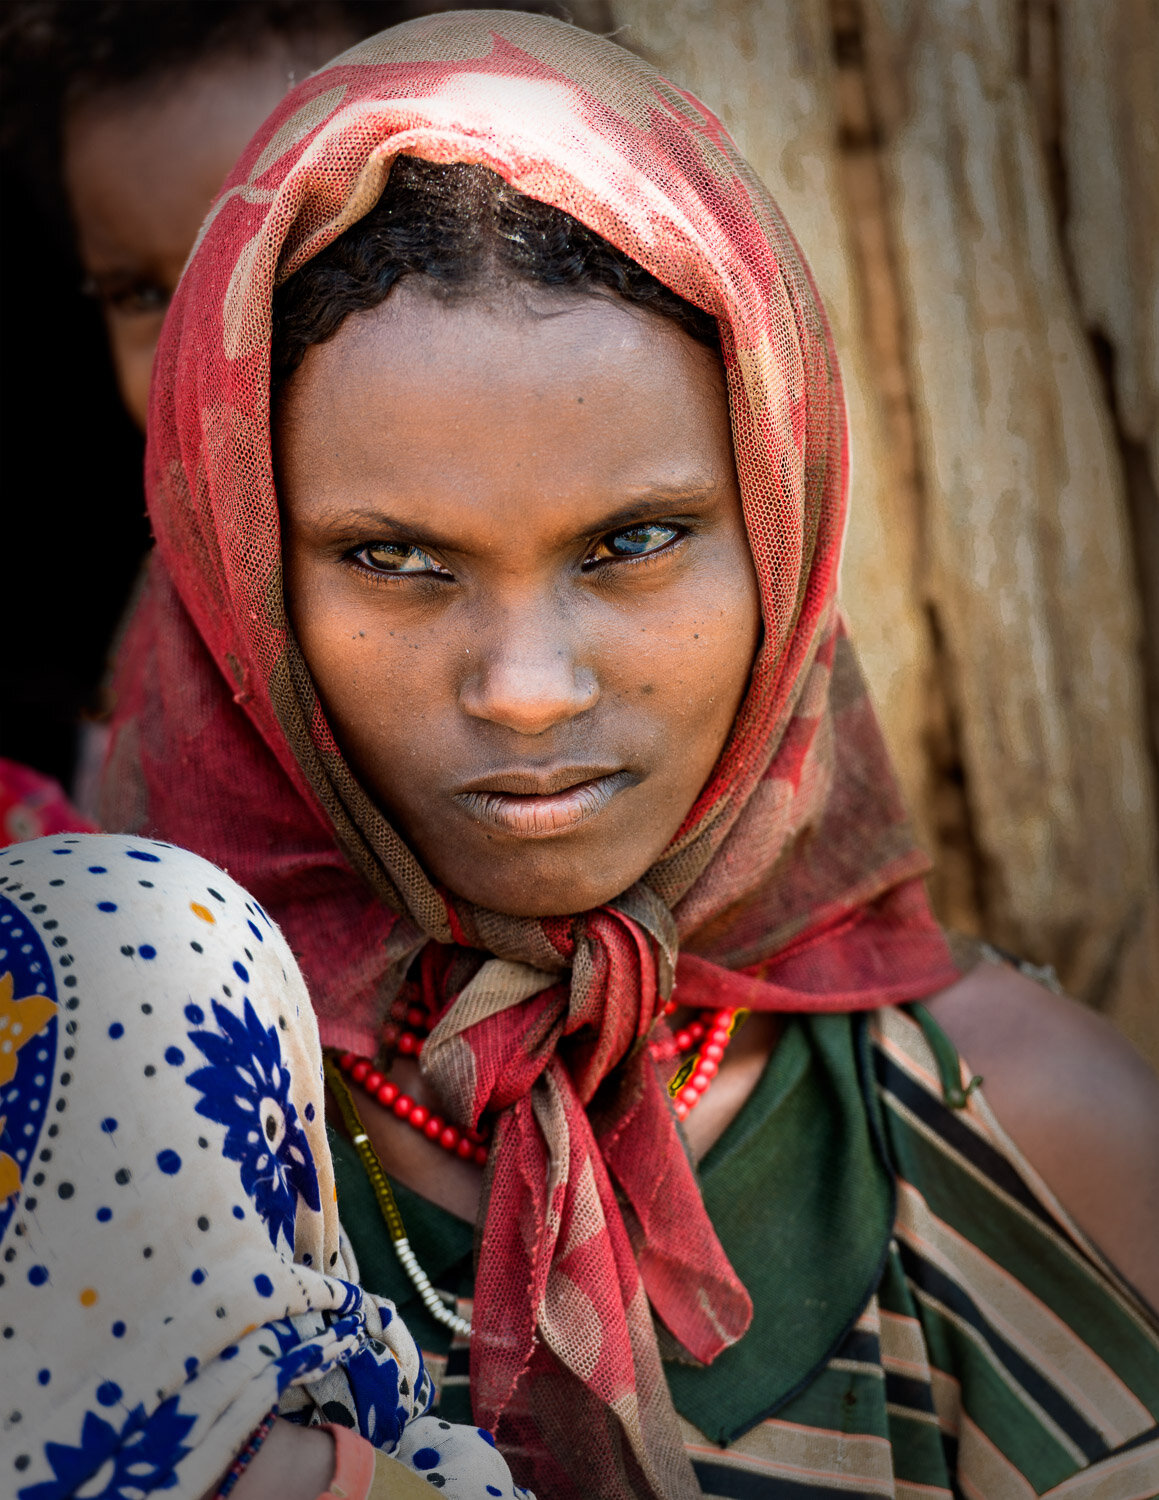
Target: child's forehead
column 142, row 163
column 202, row 85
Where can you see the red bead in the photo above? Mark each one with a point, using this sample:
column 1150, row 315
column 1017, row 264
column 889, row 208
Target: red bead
column 723, row 1018
column 360, row 1069
column 688, row 1095
column 419, row 1115
column 387, row 1094
column 718, row 1037
column 416, row 1017
column 449, row 1138
column 465, row 1149
column 403, row 1106
column 346, row 1061
column 373, row 1082
column 389, row 1034
column 407, row 1044
column 683, row 1041
column 698, row 1083
column 707, row 1067
column 714, row 1051
column 480, row 1156
column 681, row 1110
column 696, row 1031
column 434, row 1127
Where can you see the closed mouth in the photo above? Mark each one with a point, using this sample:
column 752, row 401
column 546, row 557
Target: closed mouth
column 551, row 804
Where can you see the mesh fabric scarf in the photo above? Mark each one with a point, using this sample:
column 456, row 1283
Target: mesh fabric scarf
column 794, row 883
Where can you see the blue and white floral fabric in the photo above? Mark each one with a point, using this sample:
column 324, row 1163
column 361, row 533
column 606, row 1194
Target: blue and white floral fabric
column 172, row 1266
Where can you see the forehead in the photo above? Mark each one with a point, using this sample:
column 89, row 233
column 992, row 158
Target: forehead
column 527, row 398
column 142, row 164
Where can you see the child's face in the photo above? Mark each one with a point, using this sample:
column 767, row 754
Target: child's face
column 517, row 567
column 141, row 167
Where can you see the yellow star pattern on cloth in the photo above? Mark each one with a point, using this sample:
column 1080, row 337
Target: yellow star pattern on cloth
column 20, row 1021
column 9, row 1170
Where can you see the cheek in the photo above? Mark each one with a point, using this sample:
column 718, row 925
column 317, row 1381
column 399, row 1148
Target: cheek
column 703, row 653
column 132, row 349
column 379, row 688
column 735, row 641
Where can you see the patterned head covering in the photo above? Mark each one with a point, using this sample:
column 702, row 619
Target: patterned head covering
column 794, row 876
column 173, row 1264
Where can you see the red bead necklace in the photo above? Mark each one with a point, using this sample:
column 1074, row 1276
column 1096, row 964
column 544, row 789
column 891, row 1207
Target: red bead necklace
column 710, row 1035
column 406, row 1032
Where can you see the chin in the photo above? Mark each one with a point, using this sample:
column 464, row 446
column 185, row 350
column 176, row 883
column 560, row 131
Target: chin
column 543, row 902
column 537, row 893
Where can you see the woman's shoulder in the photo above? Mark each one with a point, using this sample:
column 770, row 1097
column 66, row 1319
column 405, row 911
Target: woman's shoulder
column 1075, row 1099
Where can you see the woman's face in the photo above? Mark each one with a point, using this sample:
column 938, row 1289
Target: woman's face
column 517, row 567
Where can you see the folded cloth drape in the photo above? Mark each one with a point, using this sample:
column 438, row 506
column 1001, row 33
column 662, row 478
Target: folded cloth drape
column 173, row 1269
column 794, row 878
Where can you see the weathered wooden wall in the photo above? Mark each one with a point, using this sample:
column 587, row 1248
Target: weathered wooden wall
column 976, row 183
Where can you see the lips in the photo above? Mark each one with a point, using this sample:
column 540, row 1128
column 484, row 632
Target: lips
column 537, row 804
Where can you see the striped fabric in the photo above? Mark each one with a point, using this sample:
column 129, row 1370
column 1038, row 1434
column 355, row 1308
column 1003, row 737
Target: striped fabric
column 997, row 1356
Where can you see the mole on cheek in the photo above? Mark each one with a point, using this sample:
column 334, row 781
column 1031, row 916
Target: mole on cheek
column 647, row 688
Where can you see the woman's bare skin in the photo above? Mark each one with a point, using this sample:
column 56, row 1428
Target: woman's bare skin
column 1077, row 1100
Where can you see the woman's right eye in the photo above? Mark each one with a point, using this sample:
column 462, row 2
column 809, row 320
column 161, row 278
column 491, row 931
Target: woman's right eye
column 399, row 557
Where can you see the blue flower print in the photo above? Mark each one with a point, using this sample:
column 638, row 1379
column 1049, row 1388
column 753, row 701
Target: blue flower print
column 297, row 1363
column 374, row 1383
column 246, row 1088
column 286, row 1334
column 138, row 1460
column 298, row 1351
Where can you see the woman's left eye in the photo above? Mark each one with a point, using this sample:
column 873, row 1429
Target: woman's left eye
column 398, row 557
column 634, row 541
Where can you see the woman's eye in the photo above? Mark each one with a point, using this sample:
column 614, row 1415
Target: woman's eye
column 398, row 557
column 634, row 541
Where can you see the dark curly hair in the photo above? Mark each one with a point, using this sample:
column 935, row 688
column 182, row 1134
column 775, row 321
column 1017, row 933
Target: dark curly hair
column 462, row 227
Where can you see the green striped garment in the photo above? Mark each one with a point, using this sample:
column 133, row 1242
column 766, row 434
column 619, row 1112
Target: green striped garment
column 928, row 1322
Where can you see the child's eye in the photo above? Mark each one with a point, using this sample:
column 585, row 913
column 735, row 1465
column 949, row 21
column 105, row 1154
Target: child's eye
column 399, row 557
column 128, row 296
column 634, row 541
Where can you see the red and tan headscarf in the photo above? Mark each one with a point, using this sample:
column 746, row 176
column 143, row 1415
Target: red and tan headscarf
column 794, row 883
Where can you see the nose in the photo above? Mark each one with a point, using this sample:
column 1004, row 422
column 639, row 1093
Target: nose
column 524, row 673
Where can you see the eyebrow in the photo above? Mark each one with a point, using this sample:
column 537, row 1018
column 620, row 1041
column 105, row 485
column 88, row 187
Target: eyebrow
column 660, row 501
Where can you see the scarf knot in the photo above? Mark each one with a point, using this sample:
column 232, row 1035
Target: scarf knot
column 532, row 1048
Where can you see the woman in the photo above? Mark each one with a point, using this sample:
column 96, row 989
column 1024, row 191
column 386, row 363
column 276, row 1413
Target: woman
column 492, row 643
